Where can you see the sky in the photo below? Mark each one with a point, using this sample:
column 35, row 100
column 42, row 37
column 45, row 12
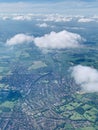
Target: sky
column 66, row 7
column 40, row 1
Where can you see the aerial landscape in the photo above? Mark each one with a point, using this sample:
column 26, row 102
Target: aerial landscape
column 49, row 65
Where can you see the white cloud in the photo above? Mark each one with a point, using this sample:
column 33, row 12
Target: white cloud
column 57, row 18
column 60, row 40
column 22, row 17
column 43, row 25
column 85, row 20
column 19, row 39
column 86, row 77
column 5, row 18
column 17, row 17
column 75, row 28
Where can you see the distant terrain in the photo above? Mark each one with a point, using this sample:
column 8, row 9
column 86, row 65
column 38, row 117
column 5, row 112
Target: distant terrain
column 38, row 87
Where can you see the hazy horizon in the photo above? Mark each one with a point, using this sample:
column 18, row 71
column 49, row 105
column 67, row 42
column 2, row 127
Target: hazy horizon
column 65, row 7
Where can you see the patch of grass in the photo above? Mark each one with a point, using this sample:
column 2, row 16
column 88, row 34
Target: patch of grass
column 86, row 128
column 68, row 127
column 37, row 65
column 91, row 115
column 72, row 105
column 76, row 116
column 7, row 104
column 2, row 85
column 86, row 107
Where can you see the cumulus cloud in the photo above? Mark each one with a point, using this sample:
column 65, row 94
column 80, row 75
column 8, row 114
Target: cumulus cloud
column 86, row 77
column 57, row 18
column 60, row 40
column 22, row 17
column 19, row 39
column 54, row 40
column 43, row 25
column 85, row 20
column 5, row 18
column 18, row 17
